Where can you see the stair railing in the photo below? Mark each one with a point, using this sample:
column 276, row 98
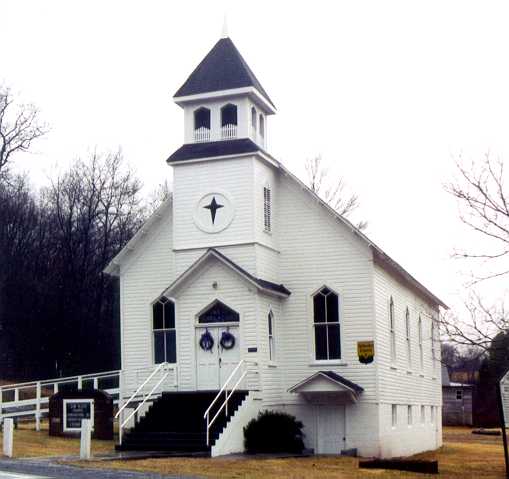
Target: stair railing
column 224, row 405
column 146, row 397
column 141, row 386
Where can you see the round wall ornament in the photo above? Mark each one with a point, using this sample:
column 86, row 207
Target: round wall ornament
column 214, row 212
column 227, row 340
column 206, row 341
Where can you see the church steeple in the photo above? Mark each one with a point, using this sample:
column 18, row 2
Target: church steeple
column 223, row 100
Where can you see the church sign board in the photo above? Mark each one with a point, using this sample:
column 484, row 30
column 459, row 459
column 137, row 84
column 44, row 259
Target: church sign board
column 366, row 351
column 68, row 408
column 75, row 410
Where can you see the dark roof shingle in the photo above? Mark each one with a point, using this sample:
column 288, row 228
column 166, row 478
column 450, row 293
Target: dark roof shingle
column 211, row 149
column 222, row 69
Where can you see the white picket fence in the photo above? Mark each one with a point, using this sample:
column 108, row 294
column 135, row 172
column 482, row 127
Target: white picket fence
column 30, row 399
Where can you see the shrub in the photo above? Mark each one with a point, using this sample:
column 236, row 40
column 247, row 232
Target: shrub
column 274, row 431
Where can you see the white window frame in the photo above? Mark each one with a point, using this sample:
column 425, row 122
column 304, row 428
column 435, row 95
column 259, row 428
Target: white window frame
column 432, row 414
column 267, row 209
column 313, row 326
column 433, row 348
column 163, row 329
column 392, row 330
column 394, row 415
column 423, row 414
column 410, row 418
column 271, row 336
column 421, row 350
column 408, row 337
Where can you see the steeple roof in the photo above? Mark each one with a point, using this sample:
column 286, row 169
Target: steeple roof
column 222, row 69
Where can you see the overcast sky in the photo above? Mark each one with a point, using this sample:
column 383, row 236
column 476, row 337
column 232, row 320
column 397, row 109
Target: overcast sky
column 390, row 93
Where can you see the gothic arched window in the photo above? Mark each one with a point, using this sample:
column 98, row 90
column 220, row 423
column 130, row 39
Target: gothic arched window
column 326, row 325
column 163, row 324
column 392, row 329
column 253, row 118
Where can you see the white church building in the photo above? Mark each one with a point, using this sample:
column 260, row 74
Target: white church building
column 245, row 292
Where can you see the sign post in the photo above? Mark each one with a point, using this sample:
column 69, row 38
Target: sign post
column 86, row 432
column 8, row 436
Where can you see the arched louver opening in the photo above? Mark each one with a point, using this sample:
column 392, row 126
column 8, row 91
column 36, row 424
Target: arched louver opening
column 262, row 126
column 202, row 124
column 229, row 121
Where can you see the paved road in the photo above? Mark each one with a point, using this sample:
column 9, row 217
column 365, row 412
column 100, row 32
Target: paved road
column 44, row 469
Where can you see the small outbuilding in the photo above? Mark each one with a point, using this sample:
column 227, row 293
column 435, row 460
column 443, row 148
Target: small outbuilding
column 457, row 402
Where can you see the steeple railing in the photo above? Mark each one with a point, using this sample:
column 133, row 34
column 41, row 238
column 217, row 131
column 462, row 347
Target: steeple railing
column 228, row 131
column 201, row 134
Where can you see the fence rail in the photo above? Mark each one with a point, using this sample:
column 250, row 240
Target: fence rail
column 28, row 398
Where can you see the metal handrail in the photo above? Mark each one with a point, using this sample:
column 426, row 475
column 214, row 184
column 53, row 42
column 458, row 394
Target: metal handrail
column 225, row 403
column 156, row 370
column 144, row 400
column 223, row 388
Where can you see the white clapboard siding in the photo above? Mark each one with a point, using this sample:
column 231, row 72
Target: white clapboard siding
column 193, row 181
column 399, row 383
column 318, row 250
column 142, row 279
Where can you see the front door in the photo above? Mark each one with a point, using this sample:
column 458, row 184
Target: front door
column 217, row 345
column 331, row 429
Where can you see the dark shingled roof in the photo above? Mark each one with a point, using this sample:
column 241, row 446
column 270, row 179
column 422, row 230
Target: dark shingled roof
column 340, row 379
column 210, row 149
column 222, row 69
column 278, row 288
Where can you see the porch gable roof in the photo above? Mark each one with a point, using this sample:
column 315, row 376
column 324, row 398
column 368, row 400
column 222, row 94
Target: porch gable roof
column 261, row 284
column 334, row 383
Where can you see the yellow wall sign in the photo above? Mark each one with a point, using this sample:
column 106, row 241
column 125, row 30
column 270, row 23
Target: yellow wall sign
column 366, row 351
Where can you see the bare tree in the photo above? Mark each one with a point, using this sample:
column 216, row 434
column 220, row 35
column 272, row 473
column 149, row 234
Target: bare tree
column 481, row 193
column 332, row 191
column 19, row 127
column 483, row 202
column 157, row 197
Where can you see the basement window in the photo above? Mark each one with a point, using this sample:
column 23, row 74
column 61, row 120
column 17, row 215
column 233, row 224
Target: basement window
column 163, row 323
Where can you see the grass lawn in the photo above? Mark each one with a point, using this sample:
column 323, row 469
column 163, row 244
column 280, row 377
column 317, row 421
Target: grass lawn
column 463, row 455
column 30, row 443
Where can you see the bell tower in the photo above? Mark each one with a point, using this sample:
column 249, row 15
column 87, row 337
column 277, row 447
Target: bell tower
column 224, row 180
